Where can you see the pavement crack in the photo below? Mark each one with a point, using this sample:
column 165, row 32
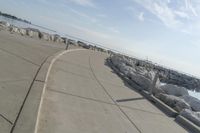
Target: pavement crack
column 6, row 119
column 18, row 56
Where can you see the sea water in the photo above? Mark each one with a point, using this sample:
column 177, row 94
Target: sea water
column 22, row 24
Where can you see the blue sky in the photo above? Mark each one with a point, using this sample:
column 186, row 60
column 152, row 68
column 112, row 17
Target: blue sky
column 165, row 31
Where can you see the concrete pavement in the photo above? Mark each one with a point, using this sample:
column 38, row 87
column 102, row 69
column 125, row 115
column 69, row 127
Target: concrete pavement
column 20, row 59
column 84, row 95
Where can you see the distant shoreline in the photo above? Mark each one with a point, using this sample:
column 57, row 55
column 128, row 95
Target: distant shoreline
column 14, row 17
column 6, row 15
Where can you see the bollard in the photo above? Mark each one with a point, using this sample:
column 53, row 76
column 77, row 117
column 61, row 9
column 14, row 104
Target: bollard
column 66, row 48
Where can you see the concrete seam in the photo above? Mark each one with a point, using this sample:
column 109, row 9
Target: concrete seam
column 75, row 74
column 72, row 63
column 39, row 81
column 45, row 85
column 23, row 103
column 6, row 119
column 113, row 99
column 100, row 101
column 19, row 57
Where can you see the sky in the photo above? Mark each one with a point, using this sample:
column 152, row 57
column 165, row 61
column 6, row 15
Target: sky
column 164, row 31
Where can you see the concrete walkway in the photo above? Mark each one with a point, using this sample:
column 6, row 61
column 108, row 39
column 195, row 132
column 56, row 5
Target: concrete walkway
column 83, row 95
column 20, row 59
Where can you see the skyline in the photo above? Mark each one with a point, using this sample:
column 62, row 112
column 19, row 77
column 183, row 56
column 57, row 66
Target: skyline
column 163, row 31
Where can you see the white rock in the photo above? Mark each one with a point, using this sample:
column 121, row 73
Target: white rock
column 169, row 99
column 157, row 90
column 29, row 32
column 192, row 116
column 57, row 38
column 32, row 32
column 141, row 71
column 175, row 102
column 174, row 90
column 142, row 81
column 22, row 31
column 125, row 69
column 51, row 37
column 181, row 104
column 4, row 24
column 44, row 36
column 36, row 34
column 150, row 75
column 193, row 102
column 14, row 29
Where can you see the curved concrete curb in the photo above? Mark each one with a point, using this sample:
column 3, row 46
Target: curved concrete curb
column 26, row 120
column 51, row 61
column 29, row 117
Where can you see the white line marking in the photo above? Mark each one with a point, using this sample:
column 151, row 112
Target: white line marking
column 45, row 85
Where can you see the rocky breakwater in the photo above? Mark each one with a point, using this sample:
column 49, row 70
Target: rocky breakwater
column 171, row 76
column 33, row 33
column 173, row 95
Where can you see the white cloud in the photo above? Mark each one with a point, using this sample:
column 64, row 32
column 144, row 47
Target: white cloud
column 189, row 6
column 141, row 16
column 173, row 14
column 101, row 15
column 81, row 14
column 114, row 30
column 182, row 14
column 91, row 33
column 161, row 10
column 83, row 2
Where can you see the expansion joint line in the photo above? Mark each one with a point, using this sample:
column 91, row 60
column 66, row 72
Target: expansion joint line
column 14, row 124
column 6, row 119
column 98, row 81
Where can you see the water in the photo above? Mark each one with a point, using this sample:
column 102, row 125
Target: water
column 26, row 25
column 195, row 94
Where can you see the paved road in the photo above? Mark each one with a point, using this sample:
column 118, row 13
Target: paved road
column 20, row 58
column 83, row 95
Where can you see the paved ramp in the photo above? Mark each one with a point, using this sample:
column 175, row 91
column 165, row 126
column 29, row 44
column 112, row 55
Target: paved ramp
column 84, row 95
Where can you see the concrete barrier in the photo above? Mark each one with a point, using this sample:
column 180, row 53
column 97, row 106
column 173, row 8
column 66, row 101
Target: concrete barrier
column 164, row 107
column 187, row 124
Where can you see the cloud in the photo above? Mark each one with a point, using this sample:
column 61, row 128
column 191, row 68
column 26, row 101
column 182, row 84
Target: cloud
column 114, row 30
column 88, row 3
column 182, row 14
column 161, row 10
column 141, row 16
column 173, row 14
column 102, row 15
column 90, row 32
column 81, row 14
column 189, row 6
